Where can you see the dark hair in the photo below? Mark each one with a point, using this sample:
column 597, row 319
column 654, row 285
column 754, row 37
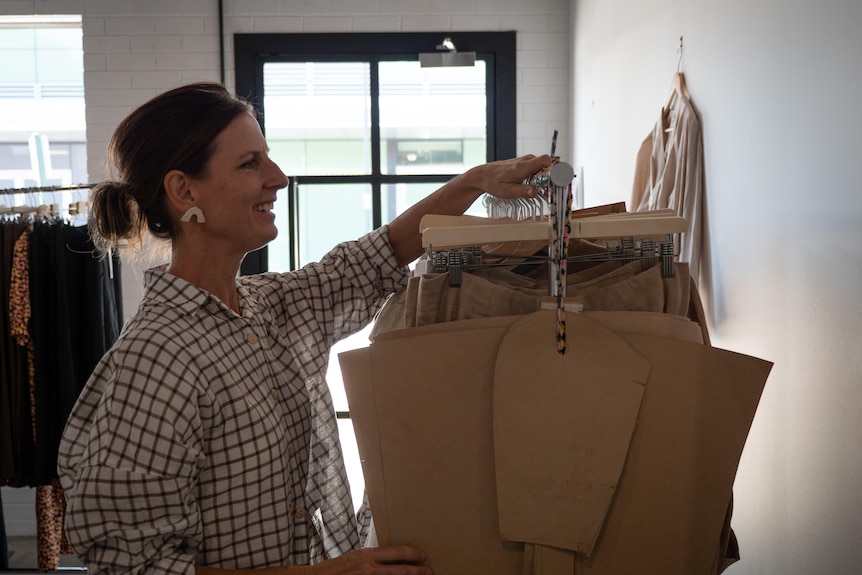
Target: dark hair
column 175, row 130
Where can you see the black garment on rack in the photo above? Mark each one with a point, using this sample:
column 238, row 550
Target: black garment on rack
column 17, row 449
column 76, row 318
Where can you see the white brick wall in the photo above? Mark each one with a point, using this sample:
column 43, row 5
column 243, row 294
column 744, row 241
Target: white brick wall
column 133, row 50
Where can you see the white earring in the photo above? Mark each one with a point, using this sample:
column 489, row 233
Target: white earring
column 194, row 212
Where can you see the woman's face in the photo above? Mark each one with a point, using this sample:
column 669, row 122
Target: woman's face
column 239, row 188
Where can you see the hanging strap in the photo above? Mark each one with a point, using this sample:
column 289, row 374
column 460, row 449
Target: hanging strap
column 560, row 205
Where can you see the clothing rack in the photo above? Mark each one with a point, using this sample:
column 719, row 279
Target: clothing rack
column 60, row 314
column 44, row 210
column 39, row 189
column 465, row 259
column 454, row 243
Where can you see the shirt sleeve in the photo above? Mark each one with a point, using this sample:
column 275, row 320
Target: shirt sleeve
column 345, row 289
column 129, row 460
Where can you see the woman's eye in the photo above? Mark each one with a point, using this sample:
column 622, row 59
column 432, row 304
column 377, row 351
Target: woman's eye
column 250, row 164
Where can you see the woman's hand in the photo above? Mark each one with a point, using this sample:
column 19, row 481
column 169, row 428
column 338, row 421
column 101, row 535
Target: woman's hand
column 505, row 178
column 395, row 560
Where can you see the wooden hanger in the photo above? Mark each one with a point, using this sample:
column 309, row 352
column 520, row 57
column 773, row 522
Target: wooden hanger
column 449, row 232
column 677, row 89
column 78, row 208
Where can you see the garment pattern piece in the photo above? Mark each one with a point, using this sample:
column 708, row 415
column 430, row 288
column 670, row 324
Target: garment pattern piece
column 415, row 415
column 626, row 292
column 217, row 430
column 670, row 173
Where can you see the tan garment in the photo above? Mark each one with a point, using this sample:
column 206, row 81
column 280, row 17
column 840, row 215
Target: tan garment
column 492, row 292
column 669, row 173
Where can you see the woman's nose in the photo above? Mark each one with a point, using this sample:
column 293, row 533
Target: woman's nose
column 279, row 178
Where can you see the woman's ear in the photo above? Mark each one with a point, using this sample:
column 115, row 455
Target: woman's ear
column 178, row 190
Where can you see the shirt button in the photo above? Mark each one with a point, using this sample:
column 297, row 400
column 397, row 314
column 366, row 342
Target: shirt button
column 300, row 513
column 291, row 450
column 274, row 394
column 251, row 337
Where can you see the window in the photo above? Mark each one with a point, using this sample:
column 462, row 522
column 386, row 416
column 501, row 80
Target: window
column 42, row 121
column 355, row 122
column 363, row 132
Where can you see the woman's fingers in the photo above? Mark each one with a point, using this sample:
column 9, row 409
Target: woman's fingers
column 506, row 180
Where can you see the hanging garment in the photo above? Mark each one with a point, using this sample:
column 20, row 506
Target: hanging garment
column 669, row 173
column 492, row 292
column 17, row 450
column 77, row 316
column 50, row 501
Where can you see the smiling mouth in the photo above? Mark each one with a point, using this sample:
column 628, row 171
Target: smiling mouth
column 264, row 207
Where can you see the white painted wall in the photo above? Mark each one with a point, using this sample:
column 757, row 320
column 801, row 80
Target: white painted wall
column 134, row 49
column 779, row 88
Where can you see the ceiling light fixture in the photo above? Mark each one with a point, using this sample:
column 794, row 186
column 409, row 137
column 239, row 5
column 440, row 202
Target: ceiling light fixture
column 447, row 55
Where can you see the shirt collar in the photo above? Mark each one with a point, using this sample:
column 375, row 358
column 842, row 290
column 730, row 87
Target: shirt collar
column 163, row 288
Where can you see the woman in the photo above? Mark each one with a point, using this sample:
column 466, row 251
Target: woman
column 205, row 440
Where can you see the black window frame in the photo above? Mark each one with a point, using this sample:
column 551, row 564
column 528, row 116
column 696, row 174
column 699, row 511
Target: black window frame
column 497, row 49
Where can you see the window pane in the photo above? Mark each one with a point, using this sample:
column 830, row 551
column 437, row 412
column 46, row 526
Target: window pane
column 319, row 114
column 432, row 120
column 18, row 39
column 327, row 214
column 42, row 120
column 17, row 66
column 398, row 197
column 352, row 462
column 59, row 66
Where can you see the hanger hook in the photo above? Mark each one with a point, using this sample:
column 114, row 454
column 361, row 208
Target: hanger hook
column 679, row 51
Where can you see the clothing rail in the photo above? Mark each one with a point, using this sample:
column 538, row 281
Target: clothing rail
column 454, row 243
column 45, row 210
column 39, row 189
column 625, row 248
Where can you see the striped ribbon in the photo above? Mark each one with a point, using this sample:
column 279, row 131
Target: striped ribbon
column 561, row 230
